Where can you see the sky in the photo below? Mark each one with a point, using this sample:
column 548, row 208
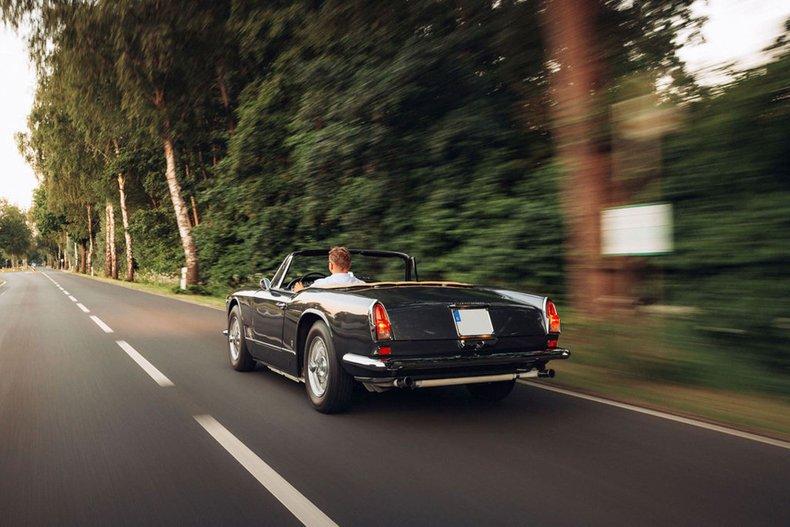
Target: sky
column 736, row 32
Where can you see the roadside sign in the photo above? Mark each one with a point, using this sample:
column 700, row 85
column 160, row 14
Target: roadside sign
column 637, row 230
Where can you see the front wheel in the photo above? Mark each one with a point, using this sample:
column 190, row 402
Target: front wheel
column 491, row 391
column 328, row 386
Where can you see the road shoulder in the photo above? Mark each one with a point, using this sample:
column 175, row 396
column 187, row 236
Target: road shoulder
column 204, row 301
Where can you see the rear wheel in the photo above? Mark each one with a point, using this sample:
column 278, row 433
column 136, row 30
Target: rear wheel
column 239, row 356
column 491, row 391
column 328, row 386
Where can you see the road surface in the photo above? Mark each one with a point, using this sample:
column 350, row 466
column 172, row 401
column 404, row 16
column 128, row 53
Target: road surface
column 118, row 407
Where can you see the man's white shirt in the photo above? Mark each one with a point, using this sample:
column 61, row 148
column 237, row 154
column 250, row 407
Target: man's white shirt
column 337, row 279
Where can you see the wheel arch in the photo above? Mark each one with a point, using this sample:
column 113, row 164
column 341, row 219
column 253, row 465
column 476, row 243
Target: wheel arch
column 306, row 321
column 231, row 304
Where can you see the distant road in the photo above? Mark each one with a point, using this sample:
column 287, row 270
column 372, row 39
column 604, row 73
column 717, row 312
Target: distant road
column 118, row 407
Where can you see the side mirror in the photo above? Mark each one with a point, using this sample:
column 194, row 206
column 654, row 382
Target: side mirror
column 266, row 284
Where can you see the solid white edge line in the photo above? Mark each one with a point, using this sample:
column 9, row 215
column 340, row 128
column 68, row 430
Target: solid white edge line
column 72, row 298
column 84, row 309
column 99, row 322
column 294, row 501
column 663, row 415
column 147, row 367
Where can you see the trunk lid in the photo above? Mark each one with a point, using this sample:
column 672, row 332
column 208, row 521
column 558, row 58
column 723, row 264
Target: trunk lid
column 425, row 312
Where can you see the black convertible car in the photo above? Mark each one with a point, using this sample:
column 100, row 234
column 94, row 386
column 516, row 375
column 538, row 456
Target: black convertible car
column 394, row 331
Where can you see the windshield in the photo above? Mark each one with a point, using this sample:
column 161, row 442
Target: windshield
column 368, row 268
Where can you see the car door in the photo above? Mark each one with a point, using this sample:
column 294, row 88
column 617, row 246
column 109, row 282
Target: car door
column 267, row 327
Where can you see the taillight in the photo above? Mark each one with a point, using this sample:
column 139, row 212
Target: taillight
column 553, row 317
column 381, row 322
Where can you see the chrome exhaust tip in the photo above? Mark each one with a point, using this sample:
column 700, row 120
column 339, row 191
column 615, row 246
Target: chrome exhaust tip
column 404, row 382
column 546, row 374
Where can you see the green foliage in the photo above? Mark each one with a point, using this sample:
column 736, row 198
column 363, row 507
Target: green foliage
column 727, row 175
column 15, row 235
column 157, row 246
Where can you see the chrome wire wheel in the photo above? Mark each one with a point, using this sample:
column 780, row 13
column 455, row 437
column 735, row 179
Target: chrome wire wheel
column 234, row 340
column 318, row 367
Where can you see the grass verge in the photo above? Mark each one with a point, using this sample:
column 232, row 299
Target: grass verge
column 165, row 290
column 755, row 413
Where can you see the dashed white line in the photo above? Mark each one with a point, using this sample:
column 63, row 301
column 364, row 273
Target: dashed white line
column 84, row 309
column 72, row 298
column 141, row 361
column 101, row 324
column 662, row 415
column 65, row 292
column 294, row 501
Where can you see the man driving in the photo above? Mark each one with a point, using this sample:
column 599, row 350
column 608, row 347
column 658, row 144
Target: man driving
column 340, row 267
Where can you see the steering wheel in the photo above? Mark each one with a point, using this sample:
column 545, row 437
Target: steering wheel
column 311, row 276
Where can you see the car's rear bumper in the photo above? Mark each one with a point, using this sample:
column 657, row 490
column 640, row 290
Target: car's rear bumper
column 380, row 370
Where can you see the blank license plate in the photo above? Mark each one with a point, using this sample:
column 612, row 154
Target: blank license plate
column 472, row 322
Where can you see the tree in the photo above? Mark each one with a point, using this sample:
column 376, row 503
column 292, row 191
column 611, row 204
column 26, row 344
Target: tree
column 15, row 234
column 592, row 45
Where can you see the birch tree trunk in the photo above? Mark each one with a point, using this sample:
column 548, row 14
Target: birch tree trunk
column 89, row 263
column 182, row 214
column 571, row 36
column 126, row 234
column 111, row 231
column 107, row 257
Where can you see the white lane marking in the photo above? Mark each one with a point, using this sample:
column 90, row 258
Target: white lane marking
column 662, row 415
column 84, row 309
column 65, row 292
column 3, row 292
column 101, row 324
column 72, row 298
column 141, row 361
column 294, row 501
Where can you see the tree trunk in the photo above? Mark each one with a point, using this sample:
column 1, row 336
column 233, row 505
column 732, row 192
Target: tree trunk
column 225, row 96
column 195, row 218
column 82, row 257
column 90, row 239
column 107, row 257
column 571, row 37
column 126, row 234
column 182, row 214
column 111, row 232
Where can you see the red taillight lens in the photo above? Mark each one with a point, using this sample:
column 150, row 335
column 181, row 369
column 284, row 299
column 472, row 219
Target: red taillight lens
column 385, row 351
column 553, row 317
column 552, row 343
column 381, row 323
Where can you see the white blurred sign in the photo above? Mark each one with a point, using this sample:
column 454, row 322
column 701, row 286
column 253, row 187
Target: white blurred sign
column 637, row 230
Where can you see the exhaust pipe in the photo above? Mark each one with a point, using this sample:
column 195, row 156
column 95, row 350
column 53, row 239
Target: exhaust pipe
column 546, row 374
column 404, row 382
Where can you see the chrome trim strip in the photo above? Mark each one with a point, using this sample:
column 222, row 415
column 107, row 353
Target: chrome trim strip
column 361, row 360
column 278, row 348
column 286, row 375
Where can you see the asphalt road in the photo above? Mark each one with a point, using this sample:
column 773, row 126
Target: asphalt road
column 158, row 430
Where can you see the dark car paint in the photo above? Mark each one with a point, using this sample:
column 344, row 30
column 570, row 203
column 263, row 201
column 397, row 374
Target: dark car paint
column 276, row 323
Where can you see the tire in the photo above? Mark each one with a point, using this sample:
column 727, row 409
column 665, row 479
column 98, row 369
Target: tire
column 491, row 391
column 328, row 386
column 238, row 353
